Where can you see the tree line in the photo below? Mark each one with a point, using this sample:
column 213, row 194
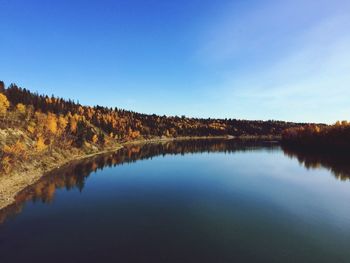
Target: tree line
column 51, row 123
column 316, row 137
column 125, row 125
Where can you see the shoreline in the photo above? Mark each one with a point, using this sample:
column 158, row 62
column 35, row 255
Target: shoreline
column 11, row 185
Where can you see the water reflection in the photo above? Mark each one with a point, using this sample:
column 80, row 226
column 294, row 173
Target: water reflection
column 75, row 174
column 337, row 163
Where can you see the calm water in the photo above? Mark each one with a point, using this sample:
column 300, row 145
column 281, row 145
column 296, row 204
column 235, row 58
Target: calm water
column 201, row 201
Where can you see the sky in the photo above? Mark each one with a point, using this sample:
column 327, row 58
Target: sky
column 282, row 60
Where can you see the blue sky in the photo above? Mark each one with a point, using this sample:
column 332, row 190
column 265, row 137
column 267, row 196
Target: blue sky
column 287, row 60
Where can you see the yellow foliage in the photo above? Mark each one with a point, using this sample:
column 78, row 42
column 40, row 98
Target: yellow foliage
column 31, row 127
column 40, row 144
column 94, row 138
column 4, row 104
column 51, row 123
column 81, row 110
column 133, row 134
column 40, row 121
column 62, row 123
column 73, row 125
column 76, row 117
column 342, row 123
column 21, row 108
column 16, row 150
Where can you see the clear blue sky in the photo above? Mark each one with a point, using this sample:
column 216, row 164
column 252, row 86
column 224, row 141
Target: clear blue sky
column 286, row 60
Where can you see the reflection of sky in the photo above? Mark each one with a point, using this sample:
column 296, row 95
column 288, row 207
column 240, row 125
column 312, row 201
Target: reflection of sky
column 260, row 200
column 269, row 178
column 308, row 194
column 246, row 59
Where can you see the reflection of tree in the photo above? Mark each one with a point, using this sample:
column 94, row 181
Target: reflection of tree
column 337, row 163
column 74, row 175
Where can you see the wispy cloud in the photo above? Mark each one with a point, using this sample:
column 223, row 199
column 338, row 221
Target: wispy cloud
column 282, row 68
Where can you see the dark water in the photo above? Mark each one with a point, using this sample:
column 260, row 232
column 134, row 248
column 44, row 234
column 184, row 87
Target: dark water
column 194, row 201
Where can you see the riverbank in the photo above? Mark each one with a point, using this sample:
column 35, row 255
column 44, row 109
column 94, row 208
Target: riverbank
column 12, row 184
column 32, row 171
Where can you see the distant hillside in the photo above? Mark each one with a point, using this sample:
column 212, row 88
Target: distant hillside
column 39, row 133
column 125, row 125
column 33, row 125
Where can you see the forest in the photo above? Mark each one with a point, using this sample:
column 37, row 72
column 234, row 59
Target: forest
column 40, row 124
column 319, row 137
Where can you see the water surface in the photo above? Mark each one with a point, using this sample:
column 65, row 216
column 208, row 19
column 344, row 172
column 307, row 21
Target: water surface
column 190, row 201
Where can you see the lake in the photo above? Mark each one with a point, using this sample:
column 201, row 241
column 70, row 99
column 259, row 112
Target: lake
column 185, row 201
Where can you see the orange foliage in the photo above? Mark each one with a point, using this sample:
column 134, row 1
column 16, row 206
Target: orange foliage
column 73, row 125
column 94, row 138
column 12, row 154
column 16, row 150
column 40, row 144
column 326, row 136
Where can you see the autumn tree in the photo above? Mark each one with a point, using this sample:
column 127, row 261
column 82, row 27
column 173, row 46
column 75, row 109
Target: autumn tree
column 4, row 104
column 31, row 127
column 40, row 144
column 51, row 123
column 60, row 120
column 62, row 123
column 11, row 154
column 21, row 110
column 73, row 125
column 16, row 150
